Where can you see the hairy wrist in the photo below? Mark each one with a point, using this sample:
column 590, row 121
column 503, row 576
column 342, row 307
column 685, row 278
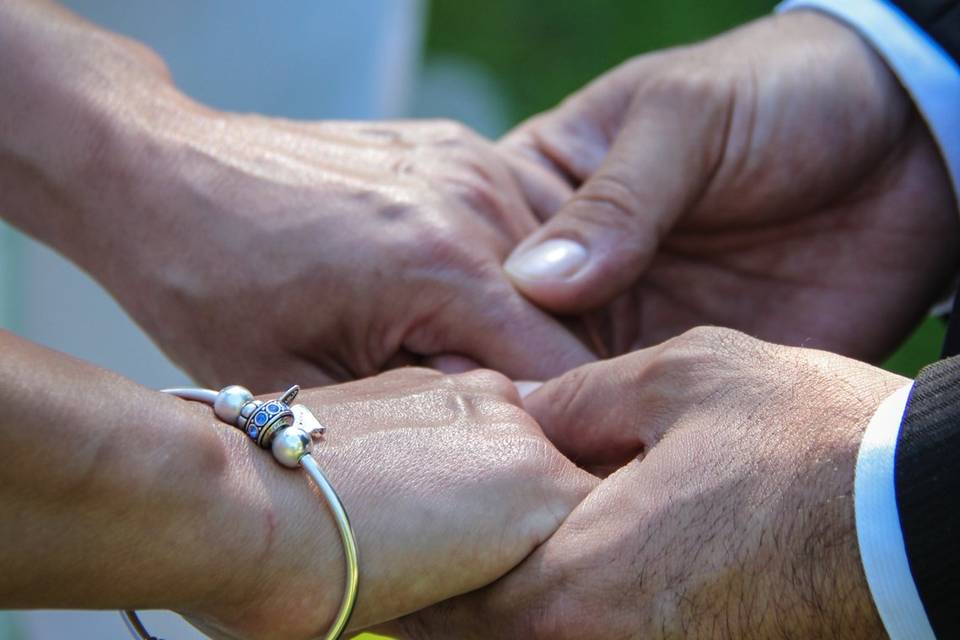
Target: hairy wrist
column 820, row 585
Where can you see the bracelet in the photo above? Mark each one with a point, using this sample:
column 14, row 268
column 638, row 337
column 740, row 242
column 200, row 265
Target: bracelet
column 288, row 432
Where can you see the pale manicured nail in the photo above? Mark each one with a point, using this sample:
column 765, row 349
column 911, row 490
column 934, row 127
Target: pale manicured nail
column 549, row 260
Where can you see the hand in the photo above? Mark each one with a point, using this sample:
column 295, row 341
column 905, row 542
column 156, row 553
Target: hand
column 113, row 496
column 775, row 180
column 255, row 250
column 332, row 251
column 734, row 520
column 448, row 483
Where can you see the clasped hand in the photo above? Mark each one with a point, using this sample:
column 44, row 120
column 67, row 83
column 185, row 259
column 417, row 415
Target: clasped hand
column 730, row 183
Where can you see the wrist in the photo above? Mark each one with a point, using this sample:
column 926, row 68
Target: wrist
column 823, row 575
column 108, row 513
column 269, row 534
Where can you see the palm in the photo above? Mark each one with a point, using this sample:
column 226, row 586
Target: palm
column 790, row 190
column 850, row 275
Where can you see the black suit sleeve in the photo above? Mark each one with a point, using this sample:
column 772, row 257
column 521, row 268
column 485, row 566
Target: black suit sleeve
column 939, row 18
column 927, row 477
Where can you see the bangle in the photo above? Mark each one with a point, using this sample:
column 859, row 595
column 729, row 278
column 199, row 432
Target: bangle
column 288, row 432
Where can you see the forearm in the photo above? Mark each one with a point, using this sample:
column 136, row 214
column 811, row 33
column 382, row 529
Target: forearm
column 78, row 106
column 111, row 495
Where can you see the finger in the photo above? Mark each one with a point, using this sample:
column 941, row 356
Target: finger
column 521, row 341
column 526, row 387
column 451, row 363
column 601, row 241
column 608, row 413
column 488, row 382
column 544, row 190
column 499, row 329
column 568, row 141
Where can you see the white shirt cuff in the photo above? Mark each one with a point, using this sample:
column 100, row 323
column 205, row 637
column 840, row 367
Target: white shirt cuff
column 926, row 71
column 882, row 549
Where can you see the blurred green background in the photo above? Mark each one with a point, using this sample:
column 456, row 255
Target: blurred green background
column 541, row 51
column 538, row 52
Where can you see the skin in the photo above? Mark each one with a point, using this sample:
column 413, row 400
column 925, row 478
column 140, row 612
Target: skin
column 240, row 242
column 115, row 496
column 775, row 179
column 722, row 182
column 732, row 519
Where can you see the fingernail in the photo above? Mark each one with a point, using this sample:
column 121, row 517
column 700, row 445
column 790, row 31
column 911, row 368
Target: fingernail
column 551, row 259
column 526, row 387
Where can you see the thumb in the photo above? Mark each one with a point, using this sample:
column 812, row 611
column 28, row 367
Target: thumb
column 592, row 414
column 602, row 240
column 605, row 414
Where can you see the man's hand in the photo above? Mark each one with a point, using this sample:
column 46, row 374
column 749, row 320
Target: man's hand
column 775, row 180
column 734, row 520
column 257, row 250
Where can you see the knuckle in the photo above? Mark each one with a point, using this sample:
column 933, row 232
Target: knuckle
column 612, row 198
column 608, row 202
column 489, row 382
column 475, row 187
column 395, row 212
column 447, row 132
column 437, row 247
column 688, row 357
column 710, row 339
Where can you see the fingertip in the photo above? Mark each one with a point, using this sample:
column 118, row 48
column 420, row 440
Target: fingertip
column 526, row 387
column 550, row 259
column 547, row 272
column 451, row 363
column 579, row 260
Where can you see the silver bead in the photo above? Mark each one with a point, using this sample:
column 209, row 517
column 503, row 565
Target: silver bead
column 290, row 445
column 230, row 401
column 249, row 408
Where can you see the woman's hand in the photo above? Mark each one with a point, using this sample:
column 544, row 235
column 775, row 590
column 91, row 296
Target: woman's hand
column 329, row 251
column 448, row 484
column 257, row 249
column 115, row 496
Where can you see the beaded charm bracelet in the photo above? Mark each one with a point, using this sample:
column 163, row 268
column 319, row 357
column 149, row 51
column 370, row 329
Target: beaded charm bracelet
column 288, row 432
